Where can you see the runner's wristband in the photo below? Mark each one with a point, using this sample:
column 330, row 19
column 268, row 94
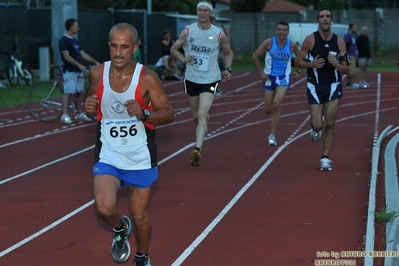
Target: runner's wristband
column 228, row 69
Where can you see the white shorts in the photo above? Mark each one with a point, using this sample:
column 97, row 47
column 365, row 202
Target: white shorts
column 352, row 66
column 364, row 61
column 73, row 82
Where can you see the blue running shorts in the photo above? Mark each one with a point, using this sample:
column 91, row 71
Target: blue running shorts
column 274, row 81
column 137, row 178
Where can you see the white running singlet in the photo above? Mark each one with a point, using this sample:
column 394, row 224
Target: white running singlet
column 123, row 141
column 204, row 46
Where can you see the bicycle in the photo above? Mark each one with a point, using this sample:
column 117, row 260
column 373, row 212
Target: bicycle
column 44, row 100
column 16, row 71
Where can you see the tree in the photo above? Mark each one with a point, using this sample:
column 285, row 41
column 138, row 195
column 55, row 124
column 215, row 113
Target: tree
column 183, row 7
column 332, row 5
column 347, row 4
column 248, row 6
column 307, row 3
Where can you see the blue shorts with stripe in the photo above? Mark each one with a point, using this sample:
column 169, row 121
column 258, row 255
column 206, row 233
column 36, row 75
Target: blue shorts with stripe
column 138, row 178
column 276, row 81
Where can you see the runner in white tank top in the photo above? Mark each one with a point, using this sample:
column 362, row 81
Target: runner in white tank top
column 128, row 151
column 124, row 93
column 204, row 47
column 201, row 41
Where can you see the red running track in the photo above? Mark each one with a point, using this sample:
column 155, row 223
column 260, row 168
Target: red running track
column 247, row 204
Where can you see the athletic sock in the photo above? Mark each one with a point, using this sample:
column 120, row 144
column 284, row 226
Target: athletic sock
column 145, row 254
column 120, row 226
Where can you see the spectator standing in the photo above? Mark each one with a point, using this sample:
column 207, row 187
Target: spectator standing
column 364, row 56
column 72, row 56
column 351, row 49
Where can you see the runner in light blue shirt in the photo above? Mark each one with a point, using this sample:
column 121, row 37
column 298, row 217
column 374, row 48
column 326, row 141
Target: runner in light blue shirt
column 276, row 74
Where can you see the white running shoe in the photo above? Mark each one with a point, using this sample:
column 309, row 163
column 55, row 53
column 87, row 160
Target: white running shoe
column 83, row 117
column 325, row 164
column 272, row 140
column 218, row 92
column 353, row 86
column 66, row 119
column 141, row 260
column 314, row 135
column 120, row 248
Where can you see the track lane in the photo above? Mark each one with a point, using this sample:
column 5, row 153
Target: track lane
column 203, row 184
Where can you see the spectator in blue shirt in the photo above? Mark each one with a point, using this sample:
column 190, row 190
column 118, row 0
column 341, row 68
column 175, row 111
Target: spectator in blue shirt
column 351, row 50
column 72, row 56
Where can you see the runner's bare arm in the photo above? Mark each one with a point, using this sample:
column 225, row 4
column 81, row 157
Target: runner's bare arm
column 294, row 48
column 94, row 80
column 153, row 91
column 261, row 51
column 305, row 49
column 177, row 45
column 341, row 64
column 226, row 50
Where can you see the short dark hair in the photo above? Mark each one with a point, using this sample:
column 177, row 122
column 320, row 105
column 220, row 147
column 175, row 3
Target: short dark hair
column 283, row 23
column 69, row 23
column 322, row 9
column 125, row 26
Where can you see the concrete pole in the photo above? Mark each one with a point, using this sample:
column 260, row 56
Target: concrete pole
column 60, row 12
column 149, row 7
column 44, row 63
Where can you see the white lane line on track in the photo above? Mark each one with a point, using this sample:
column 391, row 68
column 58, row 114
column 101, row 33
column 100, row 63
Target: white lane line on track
column 45, row 134
column 199, row 239
column 10, row 123
column 230, row 205
column 24, row 241
column 377, row 108
column 45, row 165
column 66, row 217
column 31, row 237
column 226, row 209
column 182, row 92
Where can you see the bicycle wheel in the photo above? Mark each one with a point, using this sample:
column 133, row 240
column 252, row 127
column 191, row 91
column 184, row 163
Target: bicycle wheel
column 44, row 101
column 12, row 75
column 28, row 77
